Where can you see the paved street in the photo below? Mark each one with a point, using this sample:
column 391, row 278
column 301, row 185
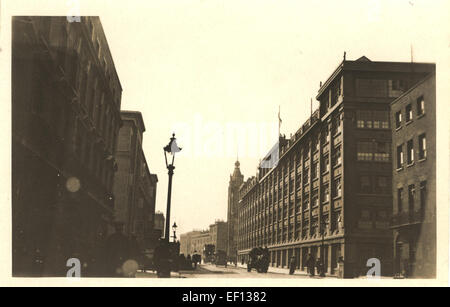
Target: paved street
column 212, row 271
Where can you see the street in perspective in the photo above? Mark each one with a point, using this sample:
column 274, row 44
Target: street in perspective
column 203, row 162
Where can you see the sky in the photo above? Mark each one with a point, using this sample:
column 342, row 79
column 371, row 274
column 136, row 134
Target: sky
column 197, row 68
column 216, row 73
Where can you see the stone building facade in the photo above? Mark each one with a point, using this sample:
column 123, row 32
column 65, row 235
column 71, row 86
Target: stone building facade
column 199, row 241
column 195, row 241
column 134, row 185
column 66, row 98
column 413, row 118
column 329, row 195
column 186, row 246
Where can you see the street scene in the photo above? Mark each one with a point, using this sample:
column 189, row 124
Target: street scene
column 180, row 146
column 230, row 271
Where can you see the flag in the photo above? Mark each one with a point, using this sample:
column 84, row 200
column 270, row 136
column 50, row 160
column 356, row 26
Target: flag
column 279, row 120
column 279, row 116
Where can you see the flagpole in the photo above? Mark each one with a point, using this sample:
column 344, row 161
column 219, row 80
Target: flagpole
column 279, row 121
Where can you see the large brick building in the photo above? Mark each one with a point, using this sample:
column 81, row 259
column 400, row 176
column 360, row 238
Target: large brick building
column 413, row 119
column 236, row 180
column 134, row 185
column 66, row 98
column 329, row 195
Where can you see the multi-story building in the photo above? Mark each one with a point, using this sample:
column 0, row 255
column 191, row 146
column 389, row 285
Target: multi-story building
column 195, row 241
column 186, row 243
column 159, row 224
column 329, row 195
column 219, row 235
column 199, row 241
column 66, row 98
column 413, row 119
column 236, row 180
column 134, row 185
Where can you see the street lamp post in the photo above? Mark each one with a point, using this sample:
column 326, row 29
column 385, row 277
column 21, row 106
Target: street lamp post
column 171, row 148
column 323, row 225
column 174, row 228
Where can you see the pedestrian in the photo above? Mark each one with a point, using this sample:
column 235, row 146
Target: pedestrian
column 162, row 259
column 292, row 265
column 319, row 266
column 310, row 263
column 116, row 251
column 405, row 269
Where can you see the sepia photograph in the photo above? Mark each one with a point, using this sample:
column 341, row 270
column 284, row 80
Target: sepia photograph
column 194, row 143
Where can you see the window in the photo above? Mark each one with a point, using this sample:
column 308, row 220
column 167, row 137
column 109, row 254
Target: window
column 399, row 156
column 326, row 164
column 306, row 153
column 306, row 176
column 315, row 198
column 423, row 196
column 409, row 114
column 315, row 170
column 398, row 85
column 410, row 152
column 380, row 119
column 364, row 151
column 315, row 144
column 381, row 215
column 400, row 200
column 314, row 226
column 364, row 119
column 382, row 151
column 411, row 197
column 372, row 119
column 383, row 185
column 365, row 214
column 422, row 146
column 337, row 156
column 398, row 119
column 365, row 185
column 325, row 136
column 336, row 125
column 306, row 202
column 99, row 48
column 337, row 191
column 325, row 193
column 420, row 106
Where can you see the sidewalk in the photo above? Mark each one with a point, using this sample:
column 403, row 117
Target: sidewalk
column 276, row 270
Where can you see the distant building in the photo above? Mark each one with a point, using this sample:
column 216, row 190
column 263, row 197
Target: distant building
column 195, row 241
column 413, row 121
column 199, row 241
column 186, row 246
column 159, row 224
column 134, row 185
column 66, row 98
column 236, row 180
column 219, row 235
column 330, row 194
